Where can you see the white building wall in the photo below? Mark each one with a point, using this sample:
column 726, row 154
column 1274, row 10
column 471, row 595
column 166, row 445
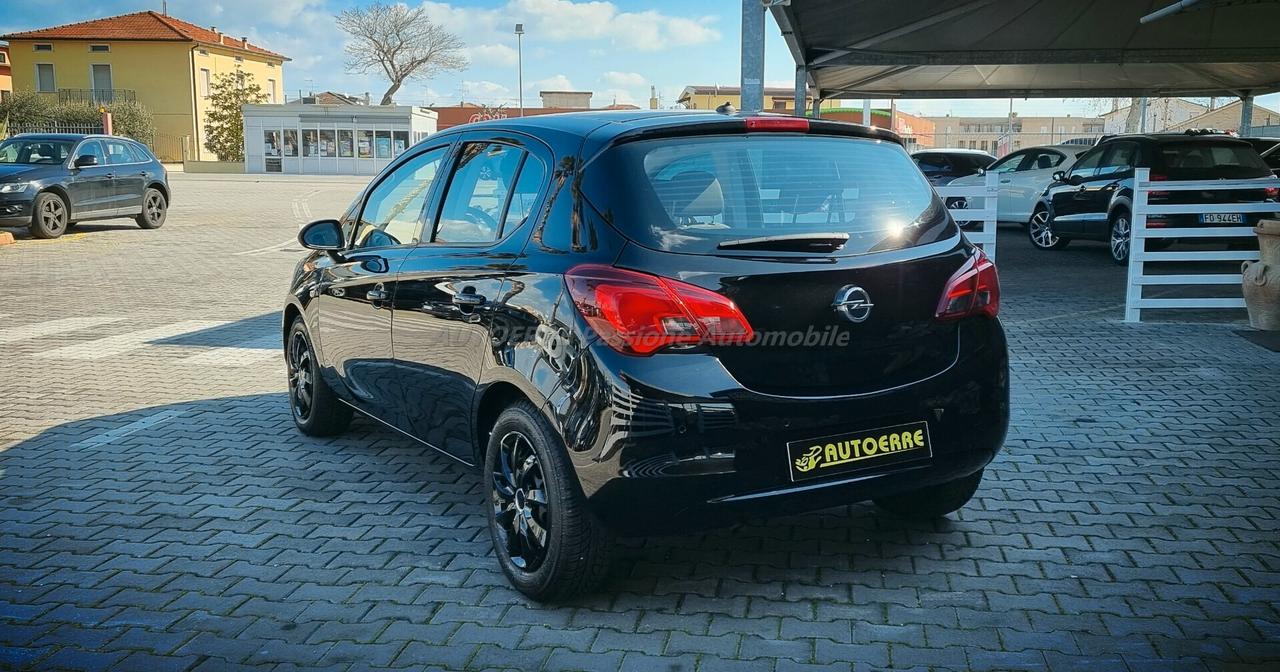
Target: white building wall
column 330, row 139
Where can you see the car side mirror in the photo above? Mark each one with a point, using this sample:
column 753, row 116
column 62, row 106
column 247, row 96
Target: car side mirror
column 324, row 235
column 86, row 160
column 1060, row 176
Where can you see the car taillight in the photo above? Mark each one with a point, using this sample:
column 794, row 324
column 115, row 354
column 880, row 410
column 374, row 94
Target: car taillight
column 1157, row 177
column 974, row 289
column 637, row 313
column 1272, row 193
column 794, row 124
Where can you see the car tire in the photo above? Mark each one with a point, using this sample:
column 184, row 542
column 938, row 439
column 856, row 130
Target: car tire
column 530, row 485
column 315, row 407
column 1040, row 232
column 49, row 215
column 155, row 208
column 934, row 501
column 1119, row 236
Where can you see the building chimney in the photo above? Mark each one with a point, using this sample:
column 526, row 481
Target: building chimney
column 214, row 29
column 653, row 97
column 244, row 40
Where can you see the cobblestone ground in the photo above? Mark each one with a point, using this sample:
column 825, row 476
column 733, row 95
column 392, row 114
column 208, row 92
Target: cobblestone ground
column 157, row 510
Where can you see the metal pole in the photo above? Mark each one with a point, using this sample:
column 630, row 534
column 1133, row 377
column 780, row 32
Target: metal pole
column 866, row 112
column 1246, row 117
column 752, row 84
column 1142, row 110
column 817, row 106
column 520, row 66
column 802, row 88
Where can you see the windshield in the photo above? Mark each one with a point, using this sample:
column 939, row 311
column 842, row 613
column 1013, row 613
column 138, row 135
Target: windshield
column 35, row 150
column 1186, row 160
column 694, row 194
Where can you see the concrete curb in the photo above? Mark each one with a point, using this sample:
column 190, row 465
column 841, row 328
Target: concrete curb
column 6, row 238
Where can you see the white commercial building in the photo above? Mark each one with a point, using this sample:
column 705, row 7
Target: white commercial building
column 330, row 139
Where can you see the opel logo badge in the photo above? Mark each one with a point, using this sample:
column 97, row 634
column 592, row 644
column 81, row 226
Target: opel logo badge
column 853, row 303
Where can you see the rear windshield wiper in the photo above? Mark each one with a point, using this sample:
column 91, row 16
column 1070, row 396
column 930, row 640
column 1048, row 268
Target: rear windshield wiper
column 791, row 242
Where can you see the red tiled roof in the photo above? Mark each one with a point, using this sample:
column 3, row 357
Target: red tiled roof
column 141, row 26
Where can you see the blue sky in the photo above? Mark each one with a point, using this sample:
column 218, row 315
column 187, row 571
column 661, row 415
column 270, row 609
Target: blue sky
column 616, row 48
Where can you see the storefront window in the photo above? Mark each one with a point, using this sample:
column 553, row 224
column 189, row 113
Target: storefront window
column 290, row 142
column 345, row 143
column 310, row 140
column 365, row 144
column 383, row 144
column 271, row 143
column 401, row 142
column 328, row 145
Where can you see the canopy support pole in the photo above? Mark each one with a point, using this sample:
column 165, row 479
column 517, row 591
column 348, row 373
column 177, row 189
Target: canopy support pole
column 752, row 99
column 866, row 112
column 1246, row 116
column 802, row 88
column 817, row 107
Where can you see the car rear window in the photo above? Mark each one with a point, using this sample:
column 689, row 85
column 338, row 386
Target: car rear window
column 1223, row 159
column 691, row 194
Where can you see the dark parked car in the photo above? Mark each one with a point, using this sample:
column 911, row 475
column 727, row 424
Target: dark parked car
column 649, row 322
column 50, row 182
column 1093, row 200
column 1269, row 150
column 941, row 166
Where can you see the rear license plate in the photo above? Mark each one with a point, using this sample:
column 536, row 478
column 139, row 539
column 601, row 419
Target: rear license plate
column 1222, row 218
column 855, row 451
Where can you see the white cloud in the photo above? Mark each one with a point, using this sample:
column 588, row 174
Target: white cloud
column 496, row 54
column 624, row 80
column 485, row 90
column 553, row 83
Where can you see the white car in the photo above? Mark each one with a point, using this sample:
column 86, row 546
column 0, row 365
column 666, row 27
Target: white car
column 1024, row 174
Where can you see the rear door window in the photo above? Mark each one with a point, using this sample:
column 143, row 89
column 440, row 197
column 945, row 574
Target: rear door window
column 691, row 194
column 932, row 164
column 475, row 204
column 1009, row 163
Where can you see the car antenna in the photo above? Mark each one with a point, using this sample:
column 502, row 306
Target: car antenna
column 726, row 108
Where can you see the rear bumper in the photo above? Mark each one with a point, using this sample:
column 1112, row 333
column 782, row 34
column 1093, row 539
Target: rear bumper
column 679, row 445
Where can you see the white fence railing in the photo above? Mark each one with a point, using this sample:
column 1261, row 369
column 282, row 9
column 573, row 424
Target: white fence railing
column 988, row 194
column 1139, row 256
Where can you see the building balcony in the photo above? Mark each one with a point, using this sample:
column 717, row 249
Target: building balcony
column 97, row 96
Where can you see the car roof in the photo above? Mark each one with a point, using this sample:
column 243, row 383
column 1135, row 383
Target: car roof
column 68, row 136
column 1173, row 137
column 978, row 152
column 591, row 131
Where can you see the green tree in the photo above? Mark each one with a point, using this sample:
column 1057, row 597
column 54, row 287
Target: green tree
column 224, row 122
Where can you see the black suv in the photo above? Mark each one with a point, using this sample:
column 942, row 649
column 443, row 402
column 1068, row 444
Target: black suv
column 1093, row 200
column 648, row 322
column 50, row 182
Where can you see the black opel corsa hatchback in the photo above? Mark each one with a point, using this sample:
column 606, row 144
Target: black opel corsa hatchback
column 649, row 322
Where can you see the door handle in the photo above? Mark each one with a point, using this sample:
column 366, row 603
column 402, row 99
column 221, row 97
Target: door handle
column 467, row 299
column 1005, row 181
column 111, row 176
column 377, row 294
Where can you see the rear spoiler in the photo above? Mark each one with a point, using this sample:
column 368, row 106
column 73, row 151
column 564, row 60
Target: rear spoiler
column 720, row 124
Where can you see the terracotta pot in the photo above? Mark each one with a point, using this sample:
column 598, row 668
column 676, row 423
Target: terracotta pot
column 1262, row 278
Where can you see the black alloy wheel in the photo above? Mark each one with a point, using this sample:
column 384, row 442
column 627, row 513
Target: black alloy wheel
column 520, row 502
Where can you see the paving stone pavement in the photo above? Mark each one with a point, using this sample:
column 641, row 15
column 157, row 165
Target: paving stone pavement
column 158, row 511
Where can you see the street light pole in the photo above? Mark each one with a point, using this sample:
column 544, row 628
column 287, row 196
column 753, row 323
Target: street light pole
column 520, row 65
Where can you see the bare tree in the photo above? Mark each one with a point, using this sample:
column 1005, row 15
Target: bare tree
column 399, row 41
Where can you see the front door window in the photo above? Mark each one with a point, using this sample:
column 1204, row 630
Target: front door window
column 392, row 214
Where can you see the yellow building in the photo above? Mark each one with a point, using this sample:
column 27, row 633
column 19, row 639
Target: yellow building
column 780, row 100
column 165, row 64
column 6, row 82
